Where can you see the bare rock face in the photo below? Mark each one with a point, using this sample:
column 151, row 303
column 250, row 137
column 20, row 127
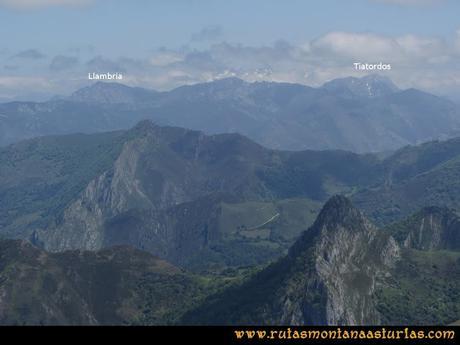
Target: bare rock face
column 157, row 169
column 433, row 228
column 430, row 229
column 349, row 255
column 329, row 277
column 109, row 194
column 115, row 191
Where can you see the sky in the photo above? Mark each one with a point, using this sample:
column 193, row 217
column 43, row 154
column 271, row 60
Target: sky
column 48, row 47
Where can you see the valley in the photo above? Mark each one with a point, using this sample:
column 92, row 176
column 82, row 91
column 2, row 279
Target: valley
column 224, row 230
column 341, row 271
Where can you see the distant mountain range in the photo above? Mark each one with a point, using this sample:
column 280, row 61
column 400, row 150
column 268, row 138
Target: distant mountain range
column 362, row 115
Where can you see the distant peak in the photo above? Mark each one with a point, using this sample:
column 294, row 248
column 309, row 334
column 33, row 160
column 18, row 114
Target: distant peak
column 229, row 80
column 338, row 207
column 108, row 84
column 111, row 93
column 376, row 78
column 144, row 126
column 224, row 83
column 338, row 201
column 370, row 86
column 103, row 85
column 337, row 215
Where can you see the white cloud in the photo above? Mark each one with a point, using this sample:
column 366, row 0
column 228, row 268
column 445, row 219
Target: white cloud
column 23, row 82
column 403, row 51
column 429, row 63
column 357, row 46
column 165, row 57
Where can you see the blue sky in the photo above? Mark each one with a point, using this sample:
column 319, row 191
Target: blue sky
column 165, row 43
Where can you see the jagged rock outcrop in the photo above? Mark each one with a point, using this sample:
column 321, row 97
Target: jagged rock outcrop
column 158, row 168
column 350, row 255
column 329, row 277
column 111, row 193
column 432, row 228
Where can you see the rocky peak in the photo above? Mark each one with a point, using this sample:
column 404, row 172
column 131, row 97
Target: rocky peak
column 433, row 228
column 229, row 82
column 111, row 93
column 369, row 86
column 338, row 213
column 144, row 127
column 330, row 277
column 339, row 210
column 219, row 89
column 349, row 255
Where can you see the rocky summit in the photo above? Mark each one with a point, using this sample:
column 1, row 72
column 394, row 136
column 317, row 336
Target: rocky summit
column 345, row 271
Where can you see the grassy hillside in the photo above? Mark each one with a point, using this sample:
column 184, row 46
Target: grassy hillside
column 120, row 285
column 414, row 177
column 69, row 193
column 341, row 258
column 91, row 191
column 40, row 177
column 423, row 289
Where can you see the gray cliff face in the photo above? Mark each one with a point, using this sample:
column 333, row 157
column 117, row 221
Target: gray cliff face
column 427, row 236
column 176, row 234
column 330, row 277
column 157, row 170
column 350, row 258
column 349, row 269
column 434, row 229
column 113, row 192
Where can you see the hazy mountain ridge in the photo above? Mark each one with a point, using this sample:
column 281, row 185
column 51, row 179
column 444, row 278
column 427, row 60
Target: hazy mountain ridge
column 369, row 86
column 112, row 93
column 415, row 177
column 343, row 114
